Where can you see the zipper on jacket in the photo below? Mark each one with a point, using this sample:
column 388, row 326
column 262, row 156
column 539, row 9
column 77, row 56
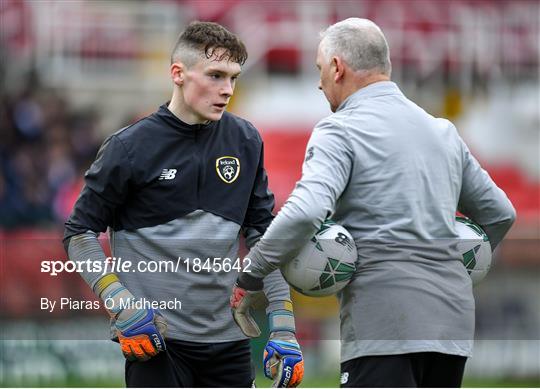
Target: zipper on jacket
column 198, row 164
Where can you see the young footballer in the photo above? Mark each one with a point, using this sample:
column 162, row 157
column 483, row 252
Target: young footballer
column 177, row 188
column 393, row 176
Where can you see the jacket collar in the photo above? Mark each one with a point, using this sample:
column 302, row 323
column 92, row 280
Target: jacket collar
column 171, row 119
column 376, row 89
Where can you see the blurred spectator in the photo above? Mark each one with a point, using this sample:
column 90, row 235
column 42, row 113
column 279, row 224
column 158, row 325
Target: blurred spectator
column 45, row 146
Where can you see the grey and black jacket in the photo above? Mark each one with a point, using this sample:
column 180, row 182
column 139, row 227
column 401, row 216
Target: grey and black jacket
column 172, row 194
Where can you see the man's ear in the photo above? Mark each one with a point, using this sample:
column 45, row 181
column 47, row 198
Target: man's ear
column 338, row 67
column 178, row 73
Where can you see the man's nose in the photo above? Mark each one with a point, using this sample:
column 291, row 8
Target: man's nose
column 227, row 89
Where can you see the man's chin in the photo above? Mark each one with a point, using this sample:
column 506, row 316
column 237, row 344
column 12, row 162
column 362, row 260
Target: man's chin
column 214, row 117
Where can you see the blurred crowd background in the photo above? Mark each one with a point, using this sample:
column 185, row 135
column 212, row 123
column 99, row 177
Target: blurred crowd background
column 73, row 72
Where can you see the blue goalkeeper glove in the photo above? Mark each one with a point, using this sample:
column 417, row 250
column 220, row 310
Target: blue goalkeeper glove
column 140, row 334
column 140, row 331
column 283, row 361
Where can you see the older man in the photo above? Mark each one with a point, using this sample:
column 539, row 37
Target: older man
column 394, row 176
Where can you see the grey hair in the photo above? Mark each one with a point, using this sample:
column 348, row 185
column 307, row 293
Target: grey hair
column 360, row 43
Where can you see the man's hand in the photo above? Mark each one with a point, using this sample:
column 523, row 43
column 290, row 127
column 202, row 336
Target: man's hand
column 141, row 334
column 247, row 294
column 283, row 361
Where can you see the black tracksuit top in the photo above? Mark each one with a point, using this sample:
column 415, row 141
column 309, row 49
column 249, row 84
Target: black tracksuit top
column 160, row 168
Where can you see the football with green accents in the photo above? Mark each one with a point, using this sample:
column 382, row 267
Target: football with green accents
column 474, row 247
column 325, row 265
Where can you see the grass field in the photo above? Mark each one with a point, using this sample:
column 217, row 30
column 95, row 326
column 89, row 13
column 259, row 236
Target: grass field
column 328, row 381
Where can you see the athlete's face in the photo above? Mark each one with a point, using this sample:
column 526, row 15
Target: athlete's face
column 207, row 87
column 327, row 79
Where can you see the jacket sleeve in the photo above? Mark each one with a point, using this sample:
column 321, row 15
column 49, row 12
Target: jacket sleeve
column 483, row 201
column 258, row 218
column 106, row 187
column 325, row 175
column 261, row 203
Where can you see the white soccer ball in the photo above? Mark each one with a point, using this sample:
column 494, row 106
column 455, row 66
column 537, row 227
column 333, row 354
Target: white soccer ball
column 325, row 264
column 474, row 247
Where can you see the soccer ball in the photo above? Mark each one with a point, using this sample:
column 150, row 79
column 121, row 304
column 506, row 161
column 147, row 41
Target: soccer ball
column 325, row 264
column 474, row 247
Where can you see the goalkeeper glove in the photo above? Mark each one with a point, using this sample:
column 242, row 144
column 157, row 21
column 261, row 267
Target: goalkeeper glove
column 283, row 361
column 140, row 331
column 246, row 295
column 140, row 334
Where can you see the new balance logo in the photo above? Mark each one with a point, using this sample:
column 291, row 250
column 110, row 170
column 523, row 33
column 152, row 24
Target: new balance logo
column 167, row 174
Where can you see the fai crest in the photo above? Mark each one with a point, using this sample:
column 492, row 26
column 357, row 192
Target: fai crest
column 228, row 168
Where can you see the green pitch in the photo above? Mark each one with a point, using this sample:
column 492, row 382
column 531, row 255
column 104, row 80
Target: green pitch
column 328, row 381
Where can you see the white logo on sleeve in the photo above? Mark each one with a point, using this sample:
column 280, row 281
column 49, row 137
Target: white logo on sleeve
column 167, row 174
column 344, row 378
